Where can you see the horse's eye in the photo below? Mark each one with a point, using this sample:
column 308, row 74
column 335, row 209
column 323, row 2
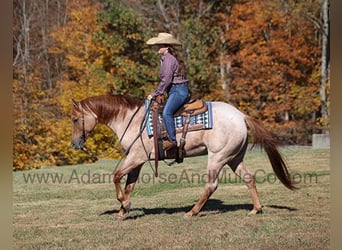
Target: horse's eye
column 74, row 120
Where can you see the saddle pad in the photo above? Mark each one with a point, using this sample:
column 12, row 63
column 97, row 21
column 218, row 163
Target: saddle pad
column 197, row 122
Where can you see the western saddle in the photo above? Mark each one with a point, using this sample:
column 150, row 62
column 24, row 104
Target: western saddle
column 193, row 107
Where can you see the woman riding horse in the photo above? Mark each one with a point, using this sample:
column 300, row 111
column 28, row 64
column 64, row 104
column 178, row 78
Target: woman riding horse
column 226, row 144
column 173, row 82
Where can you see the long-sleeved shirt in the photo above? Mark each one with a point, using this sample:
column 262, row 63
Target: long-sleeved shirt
column 168, row 74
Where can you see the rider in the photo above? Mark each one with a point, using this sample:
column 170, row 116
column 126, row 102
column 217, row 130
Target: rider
column 172, row 81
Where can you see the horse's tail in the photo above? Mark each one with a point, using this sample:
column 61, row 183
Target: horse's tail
column 264, row 138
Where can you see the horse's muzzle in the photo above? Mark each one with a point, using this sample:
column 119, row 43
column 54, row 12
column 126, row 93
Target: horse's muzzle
column 78, row 144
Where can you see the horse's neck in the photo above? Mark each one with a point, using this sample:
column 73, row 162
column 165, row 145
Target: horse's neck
column 126, row 124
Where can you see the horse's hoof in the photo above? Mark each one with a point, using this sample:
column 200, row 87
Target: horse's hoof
column 127, row 207
column 186, row 216
column 119, row 217
column 255, row 211
column 189, row 215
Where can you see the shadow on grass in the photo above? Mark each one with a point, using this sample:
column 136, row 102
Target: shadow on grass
column 290, row 209
column 212, row 206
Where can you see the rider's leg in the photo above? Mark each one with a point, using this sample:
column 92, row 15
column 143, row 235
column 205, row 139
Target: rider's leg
column 177, row 97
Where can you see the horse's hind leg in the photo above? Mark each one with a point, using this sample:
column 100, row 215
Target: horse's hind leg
column 249, row 180
column 210, row 188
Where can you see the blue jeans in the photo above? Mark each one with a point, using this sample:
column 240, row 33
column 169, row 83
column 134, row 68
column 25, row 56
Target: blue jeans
column 177, row 97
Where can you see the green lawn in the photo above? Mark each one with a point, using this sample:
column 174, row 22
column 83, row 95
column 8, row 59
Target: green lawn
column 74, row 207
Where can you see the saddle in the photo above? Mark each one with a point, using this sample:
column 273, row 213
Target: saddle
column 193, row 107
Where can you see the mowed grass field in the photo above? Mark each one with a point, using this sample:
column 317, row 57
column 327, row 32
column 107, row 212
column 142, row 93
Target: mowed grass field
column 74, row 207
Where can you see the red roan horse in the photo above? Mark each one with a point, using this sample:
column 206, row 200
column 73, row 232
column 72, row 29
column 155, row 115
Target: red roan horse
column 225, row 144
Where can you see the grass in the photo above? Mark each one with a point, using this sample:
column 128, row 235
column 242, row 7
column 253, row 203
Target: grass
column 74, row 207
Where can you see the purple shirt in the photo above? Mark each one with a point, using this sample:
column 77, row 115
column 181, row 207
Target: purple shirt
column 168, row 74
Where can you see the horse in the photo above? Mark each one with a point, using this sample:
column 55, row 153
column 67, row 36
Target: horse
column 225, row 144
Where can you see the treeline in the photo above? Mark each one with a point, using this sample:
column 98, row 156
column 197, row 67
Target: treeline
column 265, row 57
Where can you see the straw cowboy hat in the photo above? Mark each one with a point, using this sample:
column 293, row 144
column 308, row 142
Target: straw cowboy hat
column 163, row 38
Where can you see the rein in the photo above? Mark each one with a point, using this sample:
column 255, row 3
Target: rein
column 142, row 126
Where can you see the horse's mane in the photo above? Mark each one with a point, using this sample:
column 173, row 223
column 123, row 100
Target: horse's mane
column 107, row 107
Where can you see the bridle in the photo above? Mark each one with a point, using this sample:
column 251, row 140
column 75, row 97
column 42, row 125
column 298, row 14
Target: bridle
column 83, row 128
column 84, row 136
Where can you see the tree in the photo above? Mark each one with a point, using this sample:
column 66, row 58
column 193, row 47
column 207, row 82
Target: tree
column 82, row 76
column 275, row 64
column 34, row 76
column 123, row 52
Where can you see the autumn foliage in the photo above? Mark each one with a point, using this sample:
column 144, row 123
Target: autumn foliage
column 275, row 66
column 262, row 56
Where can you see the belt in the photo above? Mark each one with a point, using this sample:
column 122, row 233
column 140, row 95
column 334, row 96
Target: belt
column 180, row 83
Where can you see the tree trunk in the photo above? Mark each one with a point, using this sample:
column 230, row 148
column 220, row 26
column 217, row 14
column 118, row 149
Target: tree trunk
column 325, row 64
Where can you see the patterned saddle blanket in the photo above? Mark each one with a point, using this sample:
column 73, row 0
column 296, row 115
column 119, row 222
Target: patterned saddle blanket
column 197, row 122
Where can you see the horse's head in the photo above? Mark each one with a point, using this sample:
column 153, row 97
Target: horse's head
column 83, row 122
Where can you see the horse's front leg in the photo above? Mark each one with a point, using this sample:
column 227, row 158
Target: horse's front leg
column 130, row 183
column 124, row 198
column 119, row 195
